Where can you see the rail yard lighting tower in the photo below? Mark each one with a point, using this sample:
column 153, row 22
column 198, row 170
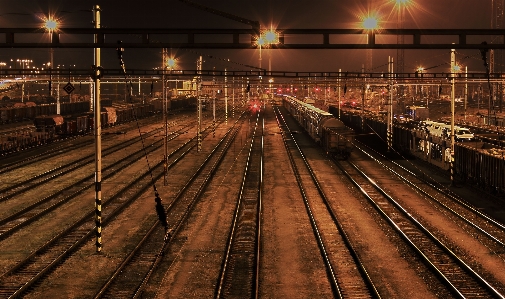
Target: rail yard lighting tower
column 271, row 37
column 265, row 40
column 401, row 6
column 261, row 42
column 420, row 71
column 170, row 64
column 51, row 26
column 370, row 24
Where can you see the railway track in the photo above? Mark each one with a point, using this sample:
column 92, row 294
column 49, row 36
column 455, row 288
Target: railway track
column 26, row 273
column 347, row 280
column 131, row 277
column 458, row 277
column 31, row 213
column 240, row 267
column 486, row 228
column 52, row 174
column 63, row 148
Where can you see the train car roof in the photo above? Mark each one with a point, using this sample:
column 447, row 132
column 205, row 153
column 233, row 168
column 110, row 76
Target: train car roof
column 309, row 106
column 57, row 118
column 333, row 123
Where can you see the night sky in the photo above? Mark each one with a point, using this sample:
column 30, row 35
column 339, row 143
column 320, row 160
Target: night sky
column 421, row 14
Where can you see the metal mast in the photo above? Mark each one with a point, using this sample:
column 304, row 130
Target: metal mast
column 496, row 59
column 98, row 137
column 400, row 40
column 497, row 18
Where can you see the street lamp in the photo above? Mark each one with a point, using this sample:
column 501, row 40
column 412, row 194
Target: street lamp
column 52, row 25
column 370, row 24
column 266, row 39
column 261, row 42
column 271, row 37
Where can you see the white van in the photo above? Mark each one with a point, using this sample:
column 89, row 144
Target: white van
column 444, row 130
column 463, row 134
column 439, row 129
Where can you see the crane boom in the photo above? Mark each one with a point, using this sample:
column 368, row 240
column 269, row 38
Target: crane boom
column 254, row 24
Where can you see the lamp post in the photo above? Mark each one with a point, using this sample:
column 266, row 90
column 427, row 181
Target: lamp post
column 419, row 71
column 266, row 39
column 370, row 24
column 51, row 25
column 261, row 41
column 170, row 64
column 271, row 37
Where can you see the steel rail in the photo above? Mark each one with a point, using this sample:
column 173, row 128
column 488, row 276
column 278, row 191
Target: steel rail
column 371, row 289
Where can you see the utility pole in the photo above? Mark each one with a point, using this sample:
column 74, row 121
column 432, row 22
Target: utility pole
column 339, row 99
column 466, row 88
column 453, row 65
column 98, row 138
column 233, row 97
column 225, row 97
column 165, row 117
column 199, row 100
column 390, row 106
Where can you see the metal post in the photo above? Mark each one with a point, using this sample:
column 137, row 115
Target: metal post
column 225, row 98
column 233, row 97
column 58, row 105
column 213, row 116
column 339, row 99
column 91, row 93
column 98, row 141
column 363, row 101
column 466, row 88
column 453, row 64
column 165, row 118
column 390, row 106
column 199, row 89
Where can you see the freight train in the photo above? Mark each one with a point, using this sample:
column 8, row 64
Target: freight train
column 29, row 110
column 77, row 120
column 336, row 138
column 479, row 162
column 83, row 123
column 110, row 115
